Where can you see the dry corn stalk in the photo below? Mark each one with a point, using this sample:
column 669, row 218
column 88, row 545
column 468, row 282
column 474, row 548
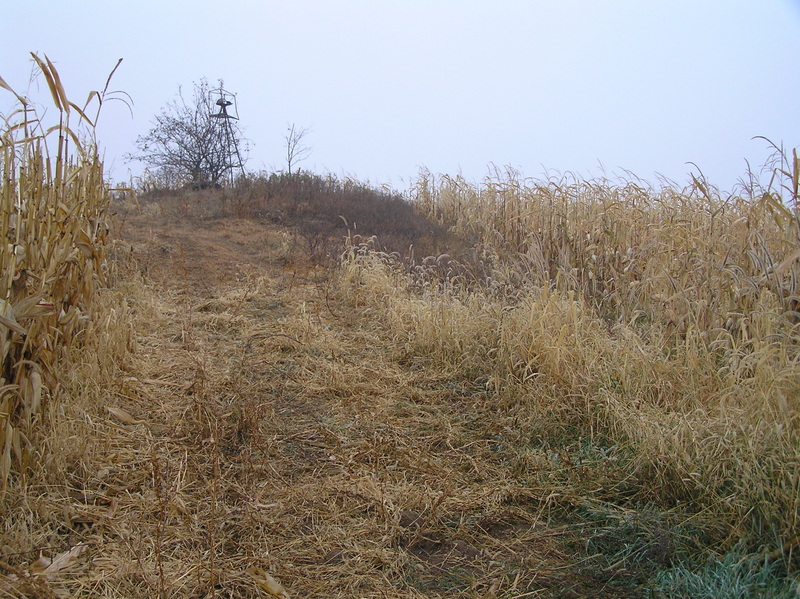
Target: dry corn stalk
column 53, row 210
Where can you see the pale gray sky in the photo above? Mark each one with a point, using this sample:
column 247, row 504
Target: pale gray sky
column 388, row 87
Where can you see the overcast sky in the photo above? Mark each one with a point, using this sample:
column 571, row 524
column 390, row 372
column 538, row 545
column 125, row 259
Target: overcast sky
column 454, row 86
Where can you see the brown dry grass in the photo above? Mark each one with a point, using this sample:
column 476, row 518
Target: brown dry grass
column 262, row 425
column 663, row 324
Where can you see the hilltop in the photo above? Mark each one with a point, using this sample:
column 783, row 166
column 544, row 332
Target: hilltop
column 276, row 411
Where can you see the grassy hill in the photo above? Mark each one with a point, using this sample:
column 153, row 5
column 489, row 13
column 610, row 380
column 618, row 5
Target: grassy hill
column 308, row 387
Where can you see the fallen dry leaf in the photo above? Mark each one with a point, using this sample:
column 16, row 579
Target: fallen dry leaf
column 122, row 415
column 267, row 583
column 50, row 569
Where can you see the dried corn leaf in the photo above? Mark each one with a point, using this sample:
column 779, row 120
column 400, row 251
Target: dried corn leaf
column 790, row 259
column 7, row 318
column 80, row 112
column 62, row 94
column 5, row 85
column 267, row 583
column 13, row 325
column 122, row 415
column 33, row 306
column 50, row 82
column 51, row 569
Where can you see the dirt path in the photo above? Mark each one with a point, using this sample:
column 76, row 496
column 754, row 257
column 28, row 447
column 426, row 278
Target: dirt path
column 276, row 434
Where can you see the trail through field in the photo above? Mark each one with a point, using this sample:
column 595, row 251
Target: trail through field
column 272, row 440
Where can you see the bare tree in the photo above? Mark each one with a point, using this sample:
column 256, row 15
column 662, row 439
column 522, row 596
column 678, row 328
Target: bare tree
column 296, row 150
column 188, row 142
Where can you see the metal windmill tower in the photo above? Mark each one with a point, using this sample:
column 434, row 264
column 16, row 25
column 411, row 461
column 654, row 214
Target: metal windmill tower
column 228, row 112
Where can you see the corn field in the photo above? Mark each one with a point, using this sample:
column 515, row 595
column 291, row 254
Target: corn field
column 53, row 211
column 673, row 264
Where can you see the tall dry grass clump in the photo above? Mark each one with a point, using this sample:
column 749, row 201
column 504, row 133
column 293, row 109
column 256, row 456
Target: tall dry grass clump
column 53, row 216
column 660, row 324
column 686, row 258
